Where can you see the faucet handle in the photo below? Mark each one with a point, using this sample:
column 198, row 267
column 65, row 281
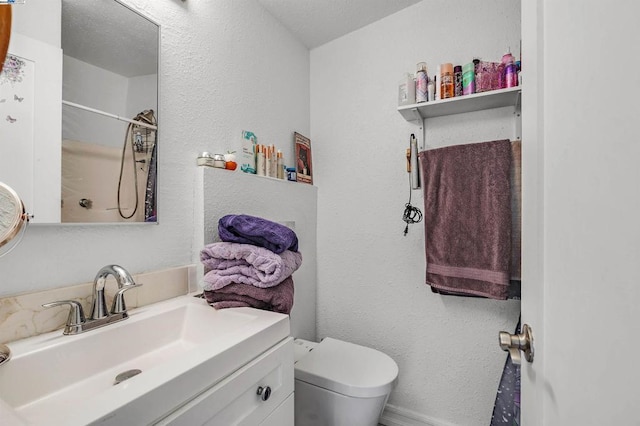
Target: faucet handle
column 118, row 306
column 76, row 314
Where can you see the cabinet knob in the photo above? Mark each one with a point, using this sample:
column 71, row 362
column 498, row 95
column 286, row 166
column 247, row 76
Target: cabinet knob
column 264, row 393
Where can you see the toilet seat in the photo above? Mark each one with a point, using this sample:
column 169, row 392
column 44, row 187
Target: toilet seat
column 348, row 369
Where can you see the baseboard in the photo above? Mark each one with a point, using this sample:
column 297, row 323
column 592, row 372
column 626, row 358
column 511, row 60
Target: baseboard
column 398, row 416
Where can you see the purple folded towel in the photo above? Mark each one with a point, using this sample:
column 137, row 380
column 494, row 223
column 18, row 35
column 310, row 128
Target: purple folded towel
column 245, row 229
column 223, row 304
column 468, row 218
column 228, row 263
column 277, row 299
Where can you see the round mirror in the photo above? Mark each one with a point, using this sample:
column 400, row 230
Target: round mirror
column 13, row 218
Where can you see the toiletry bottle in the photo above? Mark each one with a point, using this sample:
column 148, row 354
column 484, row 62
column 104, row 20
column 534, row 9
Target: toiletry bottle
column 431, row 89
column 407, row 90
column 436, row 82
column 457, row 80
column 272, row 161
column 279, row 166
column 421, row 82
column 468, row 79
column 510, row 70
column 446, row 83
column 249, row 152
column 476, row 65
column 260, row 161
column 273, row 171
column 267, row 160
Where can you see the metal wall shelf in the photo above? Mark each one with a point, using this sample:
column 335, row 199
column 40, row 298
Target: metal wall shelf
column 476, row 102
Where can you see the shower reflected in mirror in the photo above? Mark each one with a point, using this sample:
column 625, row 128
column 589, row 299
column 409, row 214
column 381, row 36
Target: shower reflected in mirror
column 109, row 113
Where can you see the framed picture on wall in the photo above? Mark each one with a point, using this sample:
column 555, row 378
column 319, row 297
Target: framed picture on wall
column 303, row 158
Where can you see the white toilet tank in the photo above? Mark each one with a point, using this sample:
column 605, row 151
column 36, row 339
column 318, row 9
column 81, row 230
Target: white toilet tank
column 340, row 383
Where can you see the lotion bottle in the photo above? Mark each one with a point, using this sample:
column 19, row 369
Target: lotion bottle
column 260, row 161
column 279, row 166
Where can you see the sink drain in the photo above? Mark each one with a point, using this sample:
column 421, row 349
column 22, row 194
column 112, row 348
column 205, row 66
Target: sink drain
column 126, row 375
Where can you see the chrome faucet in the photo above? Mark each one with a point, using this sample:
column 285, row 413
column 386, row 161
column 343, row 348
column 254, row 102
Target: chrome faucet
column 77, row 322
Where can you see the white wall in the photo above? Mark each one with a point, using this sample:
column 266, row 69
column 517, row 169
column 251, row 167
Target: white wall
column 206, row 99
column 370, row 277
column 91, row 86
column 290, row 203
column 141, row 89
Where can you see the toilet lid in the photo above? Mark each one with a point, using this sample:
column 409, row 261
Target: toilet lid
column 348, row 369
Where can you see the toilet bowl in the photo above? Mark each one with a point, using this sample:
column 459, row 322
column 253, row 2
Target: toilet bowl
column 341, row 384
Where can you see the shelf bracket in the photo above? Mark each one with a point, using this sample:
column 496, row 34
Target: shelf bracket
column 418, row 120
column 416, row 115
column 517, row 115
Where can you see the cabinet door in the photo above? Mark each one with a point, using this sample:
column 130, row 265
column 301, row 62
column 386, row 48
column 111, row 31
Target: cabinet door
column 283, row 415
column 235, row 400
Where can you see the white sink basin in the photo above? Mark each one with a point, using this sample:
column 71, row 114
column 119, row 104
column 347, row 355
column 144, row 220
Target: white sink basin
column 183, row 346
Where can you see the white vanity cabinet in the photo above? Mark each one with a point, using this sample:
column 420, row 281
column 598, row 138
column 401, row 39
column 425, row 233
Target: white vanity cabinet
column 259, row 393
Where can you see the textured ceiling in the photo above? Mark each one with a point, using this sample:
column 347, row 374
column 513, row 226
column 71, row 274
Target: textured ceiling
column 110, row 36
column 315, row 22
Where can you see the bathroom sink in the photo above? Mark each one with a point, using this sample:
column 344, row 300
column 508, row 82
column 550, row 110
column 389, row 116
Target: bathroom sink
column 181, row 347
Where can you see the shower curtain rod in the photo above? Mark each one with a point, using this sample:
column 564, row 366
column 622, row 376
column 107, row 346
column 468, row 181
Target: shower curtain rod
column 107, row 114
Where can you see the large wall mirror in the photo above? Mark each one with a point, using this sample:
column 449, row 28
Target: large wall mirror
column 109, row 126
column 110, row 76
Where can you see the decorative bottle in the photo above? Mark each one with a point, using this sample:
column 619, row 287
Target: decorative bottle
column 421, row 82
column 457, row 80
column 446, row 82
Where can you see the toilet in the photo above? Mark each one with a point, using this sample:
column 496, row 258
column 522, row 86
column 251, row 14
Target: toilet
column 340, row 384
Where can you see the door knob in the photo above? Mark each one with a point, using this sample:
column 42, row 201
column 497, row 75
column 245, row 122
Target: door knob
column 514, row 343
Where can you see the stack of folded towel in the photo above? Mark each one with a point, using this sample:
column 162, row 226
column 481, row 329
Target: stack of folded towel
column 252, row 266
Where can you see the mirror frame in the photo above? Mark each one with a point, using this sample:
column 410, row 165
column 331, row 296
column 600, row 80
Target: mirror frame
column 17, row 220
column 5, row 32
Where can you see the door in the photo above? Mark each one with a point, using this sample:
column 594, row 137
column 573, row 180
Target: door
column 581, row 221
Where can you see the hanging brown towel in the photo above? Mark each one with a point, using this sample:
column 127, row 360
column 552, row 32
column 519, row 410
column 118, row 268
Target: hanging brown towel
column 467, row 211
column 516, row 210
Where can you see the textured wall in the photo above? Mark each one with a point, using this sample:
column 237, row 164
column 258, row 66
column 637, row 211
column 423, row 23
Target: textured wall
column 225, row 66
column 293, row 204
column 370, row 277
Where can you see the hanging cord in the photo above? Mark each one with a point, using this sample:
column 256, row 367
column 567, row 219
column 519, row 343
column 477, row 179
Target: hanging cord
column 135, row 173
column 148, row 117
column 411, row 214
